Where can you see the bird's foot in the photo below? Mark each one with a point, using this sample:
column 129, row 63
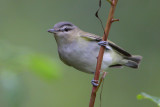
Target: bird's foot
column 95, row 83
column 103, row 43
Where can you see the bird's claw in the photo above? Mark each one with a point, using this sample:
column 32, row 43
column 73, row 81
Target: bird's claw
column 103, row 43
column 95, row 83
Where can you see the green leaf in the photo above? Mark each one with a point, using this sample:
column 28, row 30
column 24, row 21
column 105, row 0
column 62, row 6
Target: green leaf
column 44, row 66
column 149, row 97
column 18, row 59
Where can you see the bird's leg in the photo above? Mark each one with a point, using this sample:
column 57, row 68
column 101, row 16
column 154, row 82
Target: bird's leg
column 98, row 83
column 95, row 83
column 101, row 80
column 103, row 43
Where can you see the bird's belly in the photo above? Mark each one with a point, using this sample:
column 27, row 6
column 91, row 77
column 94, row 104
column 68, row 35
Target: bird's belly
column 84, row 59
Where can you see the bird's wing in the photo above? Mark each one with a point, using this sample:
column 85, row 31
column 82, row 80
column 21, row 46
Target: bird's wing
column 119, row 49
column 93, row 37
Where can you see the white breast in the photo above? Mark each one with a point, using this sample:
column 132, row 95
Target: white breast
column 83, row 57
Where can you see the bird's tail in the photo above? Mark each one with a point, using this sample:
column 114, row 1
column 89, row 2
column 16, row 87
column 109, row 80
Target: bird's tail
column 133, row 61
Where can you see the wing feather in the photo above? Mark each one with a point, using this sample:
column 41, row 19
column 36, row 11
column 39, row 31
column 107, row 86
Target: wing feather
column 93, row 37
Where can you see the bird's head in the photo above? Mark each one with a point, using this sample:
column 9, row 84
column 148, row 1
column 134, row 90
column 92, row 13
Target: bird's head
column 64, row 29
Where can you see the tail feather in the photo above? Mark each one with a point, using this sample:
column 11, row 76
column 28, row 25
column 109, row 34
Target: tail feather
column 133, row 61
column 135, row 58
column 131, row 64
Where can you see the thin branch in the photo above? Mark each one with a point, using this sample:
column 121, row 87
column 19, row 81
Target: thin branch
column 114, row 20
column 101, row 52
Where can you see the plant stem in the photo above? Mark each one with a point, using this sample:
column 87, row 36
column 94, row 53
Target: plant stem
column 101, row 52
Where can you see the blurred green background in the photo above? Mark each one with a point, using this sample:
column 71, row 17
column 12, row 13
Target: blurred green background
column 24, row 24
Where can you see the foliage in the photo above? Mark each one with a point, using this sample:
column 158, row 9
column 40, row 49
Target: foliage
column 14, row 60
column 19, row 59
column 149, row 97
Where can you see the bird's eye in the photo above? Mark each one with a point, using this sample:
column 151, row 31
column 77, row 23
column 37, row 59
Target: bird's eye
column 66, row 29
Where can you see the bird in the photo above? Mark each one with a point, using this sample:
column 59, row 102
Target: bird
column 79, row 49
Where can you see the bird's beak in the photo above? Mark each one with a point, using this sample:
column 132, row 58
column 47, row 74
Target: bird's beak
column 51, row 31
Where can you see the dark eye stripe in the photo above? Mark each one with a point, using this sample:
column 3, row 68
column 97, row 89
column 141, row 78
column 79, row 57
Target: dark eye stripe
column 67, row 29
column 66, row 25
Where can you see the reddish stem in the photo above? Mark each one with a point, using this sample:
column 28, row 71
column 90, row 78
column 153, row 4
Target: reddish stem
column 101, row 52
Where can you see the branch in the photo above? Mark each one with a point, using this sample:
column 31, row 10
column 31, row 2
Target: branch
column 101, row 52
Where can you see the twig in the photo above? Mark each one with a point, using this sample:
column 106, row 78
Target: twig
column 101, row 52
column 102, row 81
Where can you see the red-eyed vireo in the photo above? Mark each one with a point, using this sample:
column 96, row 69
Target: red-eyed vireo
column 80, row 49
